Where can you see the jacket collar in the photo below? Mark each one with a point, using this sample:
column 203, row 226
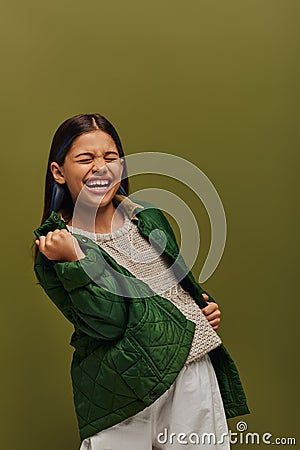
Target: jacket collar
column 128, row 205
column 55, row 220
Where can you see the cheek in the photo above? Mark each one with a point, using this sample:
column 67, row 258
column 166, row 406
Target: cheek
column 75, row 184
column 78, row 177
column 118, row 172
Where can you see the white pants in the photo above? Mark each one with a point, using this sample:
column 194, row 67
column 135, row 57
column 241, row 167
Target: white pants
column 189, row 415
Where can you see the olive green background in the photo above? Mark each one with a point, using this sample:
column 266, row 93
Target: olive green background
column 215, row 82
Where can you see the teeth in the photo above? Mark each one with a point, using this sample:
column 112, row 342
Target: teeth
column 97, row 183
column 98, row 187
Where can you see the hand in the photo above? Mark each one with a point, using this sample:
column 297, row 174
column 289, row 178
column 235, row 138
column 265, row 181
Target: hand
column 60, row 245
column 212, row 313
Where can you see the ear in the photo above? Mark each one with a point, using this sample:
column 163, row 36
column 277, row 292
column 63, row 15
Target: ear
column 57, row 172
column 122, row 162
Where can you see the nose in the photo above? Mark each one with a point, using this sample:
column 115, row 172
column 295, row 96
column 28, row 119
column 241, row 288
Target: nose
column 99, row 166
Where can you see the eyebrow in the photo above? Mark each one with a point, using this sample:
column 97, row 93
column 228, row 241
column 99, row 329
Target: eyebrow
column 90, row 153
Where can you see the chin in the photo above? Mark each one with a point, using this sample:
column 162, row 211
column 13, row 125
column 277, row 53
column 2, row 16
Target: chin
column 104, row 200
column 97, row 200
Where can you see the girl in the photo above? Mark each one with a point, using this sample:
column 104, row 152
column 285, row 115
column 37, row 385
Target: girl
column 149, row 370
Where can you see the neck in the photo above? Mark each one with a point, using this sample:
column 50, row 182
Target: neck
column 107, row 219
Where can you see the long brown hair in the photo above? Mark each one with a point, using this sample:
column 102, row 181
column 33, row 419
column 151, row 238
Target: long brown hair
column 58, row 196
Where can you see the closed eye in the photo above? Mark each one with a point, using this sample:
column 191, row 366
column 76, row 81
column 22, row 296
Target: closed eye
column 86, row 160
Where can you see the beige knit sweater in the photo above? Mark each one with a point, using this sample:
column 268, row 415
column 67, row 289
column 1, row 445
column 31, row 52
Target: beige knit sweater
column 131, row 250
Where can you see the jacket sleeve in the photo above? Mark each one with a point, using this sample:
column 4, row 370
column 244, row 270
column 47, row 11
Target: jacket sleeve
column 93, row 310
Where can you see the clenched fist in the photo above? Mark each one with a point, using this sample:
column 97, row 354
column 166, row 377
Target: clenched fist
column 60, row 245
column 212, row 313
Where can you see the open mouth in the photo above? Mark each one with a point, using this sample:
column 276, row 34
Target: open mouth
column 98, row 185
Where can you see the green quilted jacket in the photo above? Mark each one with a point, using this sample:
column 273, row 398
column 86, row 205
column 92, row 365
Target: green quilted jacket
column 130, row 344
